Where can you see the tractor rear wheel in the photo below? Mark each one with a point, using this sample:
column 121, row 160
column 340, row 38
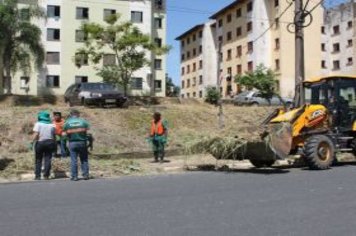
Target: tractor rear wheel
column 319, row 152
column 262, row 163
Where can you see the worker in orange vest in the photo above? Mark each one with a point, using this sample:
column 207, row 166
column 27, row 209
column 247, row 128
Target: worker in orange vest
column 158, row 136
column 58, row 122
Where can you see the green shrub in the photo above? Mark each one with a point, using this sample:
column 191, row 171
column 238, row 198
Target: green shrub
column 212, row 95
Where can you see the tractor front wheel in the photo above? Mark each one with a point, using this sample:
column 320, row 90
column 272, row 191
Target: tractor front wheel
column 319, row 152
column 262, row 163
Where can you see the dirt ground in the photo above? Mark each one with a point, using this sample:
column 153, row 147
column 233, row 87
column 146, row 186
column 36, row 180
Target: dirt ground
column 124, row 131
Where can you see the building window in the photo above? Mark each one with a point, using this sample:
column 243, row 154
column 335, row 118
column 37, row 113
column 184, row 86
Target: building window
column 277, row 43
column 336, row 65
column 109, row 60
column 80, row 36
column 336, row 30
column 137, row 83
column 182, row 43
column 200, row 49
column 276, row 23
column 220, row 23
column 183, row 57
column 52, row 81
column 24, row 82
column 194, row 81
column 229, row 55
column 323, row 48
column 188, row 69
column 238, row 31
column 81, row 79
column 249, row 7
column 239, row 69
column 188, row 54
column 194, row 94
column 82, row 13
column 194, row 67
column 136, row 16
column 250, row 66
column 239, row 51
column 182, row 70
column 188, row 83
column 53, row 34
column 108, row 13
column 158, row 23
column 200, row 64
column 323, row 64
column 194, row 37
column 228, row 18
column 349, row 61
column 349, row 43
column 81, row 59
column 276, row 3
column 158, row 64
column 277, row 64
column 200, row 34
column 183, row 84
column 250, row 47
column 229, row 72
column 158, row 85
column 200, row 94
column 159, row 4
column 249, row 26
column 188, row 40
column 349, row 24
column 336, row 47
column 194, row 52
column 238, row 12
column 229, row 36
column 53, row 11
column 52, row 58
column 323, row 30
column 200, row 79
column 158, row 42
column 220, row 39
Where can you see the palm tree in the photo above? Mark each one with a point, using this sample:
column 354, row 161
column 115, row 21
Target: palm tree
column 20, row 40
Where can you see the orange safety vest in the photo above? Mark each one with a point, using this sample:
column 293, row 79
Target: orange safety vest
column 157, row 128
column 59, row 126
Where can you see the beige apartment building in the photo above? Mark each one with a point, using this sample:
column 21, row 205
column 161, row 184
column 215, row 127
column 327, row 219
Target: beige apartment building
column 62, row 36
column 338, row 40
column 250, row 33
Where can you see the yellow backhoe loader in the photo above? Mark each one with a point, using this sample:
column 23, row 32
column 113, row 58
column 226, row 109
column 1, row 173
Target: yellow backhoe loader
column 326, row 125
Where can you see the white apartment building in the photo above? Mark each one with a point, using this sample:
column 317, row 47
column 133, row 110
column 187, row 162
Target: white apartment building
column 338, row 40
column 61, row 37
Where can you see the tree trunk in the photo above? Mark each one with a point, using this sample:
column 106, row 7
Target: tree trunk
column 8, row 80
column 1, row 71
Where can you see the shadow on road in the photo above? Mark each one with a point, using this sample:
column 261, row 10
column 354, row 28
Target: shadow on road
column 252, row 170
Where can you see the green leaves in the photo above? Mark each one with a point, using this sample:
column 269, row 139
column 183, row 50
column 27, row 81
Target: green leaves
column 123, row 40
column 262, row 79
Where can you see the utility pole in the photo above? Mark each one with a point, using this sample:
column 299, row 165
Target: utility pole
column 219, row 103
column 299, row 99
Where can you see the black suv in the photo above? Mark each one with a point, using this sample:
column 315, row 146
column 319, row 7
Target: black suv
column 89, row 94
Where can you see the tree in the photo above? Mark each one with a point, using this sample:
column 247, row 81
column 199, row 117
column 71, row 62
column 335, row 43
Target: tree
column 20, row 40
column 212, row 95
column 171, row 89
column 126, row 43
column 262, row 79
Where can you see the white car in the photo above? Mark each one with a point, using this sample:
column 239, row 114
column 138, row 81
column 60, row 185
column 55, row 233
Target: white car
column 253, row 98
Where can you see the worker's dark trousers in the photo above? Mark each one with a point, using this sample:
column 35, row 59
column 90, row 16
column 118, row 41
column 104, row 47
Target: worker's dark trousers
column 158, row 149
column 44, row 150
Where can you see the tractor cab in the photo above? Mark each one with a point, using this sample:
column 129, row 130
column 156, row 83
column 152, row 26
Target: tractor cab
column 338, row 95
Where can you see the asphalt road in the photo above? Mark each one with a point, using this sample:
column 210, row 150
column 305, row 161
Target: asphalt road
column 266, row 202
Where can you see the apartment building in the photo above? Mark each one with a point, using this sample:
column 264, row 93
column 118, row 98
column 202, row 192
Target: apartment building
column 250, row 33
column 198, row 60
column 62, row 37
column 338, row 40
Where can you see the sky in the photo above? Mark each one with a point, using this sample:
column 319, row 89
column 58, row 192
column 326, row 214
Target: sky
column 180, row 18
column 185, row 14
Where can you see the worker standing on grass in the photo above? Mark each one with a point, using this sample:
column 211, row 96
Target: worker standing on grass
column 58, row 122
column 158, row 136
column 44, row 139
column 75, row 128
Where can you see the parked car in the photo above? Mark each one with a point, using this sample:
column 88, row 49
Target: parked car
column 253, row 98
column 88, row 94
